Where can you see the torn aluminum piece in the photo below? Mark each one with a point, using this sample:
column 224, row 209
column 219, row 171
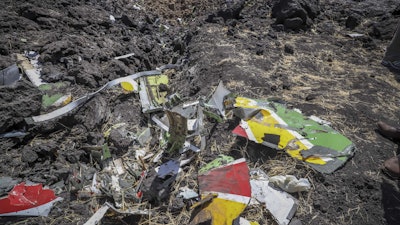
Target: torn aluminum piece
column 178, row 130
column 96, row 218
column 61, row 111
column 187, row 193
column 28, row 200
column 9, row 75
column 152, row 96
column 125, row 56
column 172, row 167
column 217, row 99
column 169, row 168
column 31, row 68
column 280, row 204
column 290, row 183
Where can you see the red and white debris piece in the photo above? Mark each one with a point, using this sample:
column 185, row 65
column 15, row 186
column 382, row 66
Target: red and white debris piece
column 28, row 200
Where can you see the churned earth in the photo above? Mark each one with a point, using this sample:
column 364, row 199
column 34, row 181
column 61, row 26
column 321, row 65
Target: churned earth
column 302, row 52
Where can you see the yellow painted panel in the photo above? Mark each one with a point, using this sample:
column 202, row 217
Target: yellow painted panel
column 223, row 212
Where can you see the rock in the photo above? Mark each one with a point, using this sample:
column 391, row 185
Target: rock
column 295, row 14
column 16, row 103
column 385, row 28
column 289, row 49
column 86, row 74
column 353, row 21
column 94, row 113
column 128, row 21
column 293, row 23
column 231, row 11
column 28, row 155
column 121, row 140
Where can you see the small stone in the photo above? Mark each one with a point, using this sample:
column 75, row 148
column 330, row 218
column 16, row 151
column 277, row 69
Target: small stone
column 289, row 49
column 293, row 23
column 29, row 156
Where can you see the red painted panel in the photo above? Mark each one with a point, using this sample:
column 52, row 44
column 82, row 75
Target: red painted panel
column 232, row 179
column 23, row 197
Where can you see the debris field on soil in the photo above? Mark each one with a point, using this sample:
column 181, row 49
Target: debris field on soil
column 196, row 112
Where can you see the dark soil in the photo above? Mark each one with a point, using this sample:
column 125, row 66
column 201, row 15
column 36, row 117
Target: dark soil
column 297, row 51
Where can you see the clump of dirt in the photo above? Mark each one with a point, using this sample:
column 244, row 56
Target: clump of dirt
column 297, row 51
